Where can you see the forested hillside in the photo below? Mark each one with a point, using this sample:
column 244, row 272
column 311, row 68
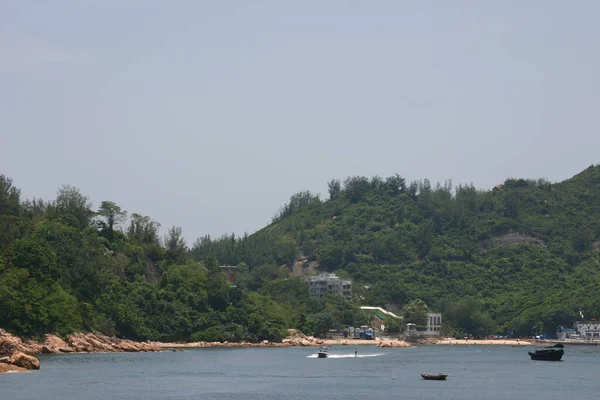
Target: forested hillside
column 520, row 258
column 67, row 266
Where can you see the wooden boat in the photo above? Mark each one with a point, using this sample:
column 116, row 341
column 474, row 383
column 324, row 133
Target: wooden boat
column 550, row 353
column 322, row 352
column 438, row 377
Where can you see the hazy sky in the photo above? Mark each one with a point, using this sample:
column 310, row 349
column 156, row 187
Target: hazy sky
column 209, row 115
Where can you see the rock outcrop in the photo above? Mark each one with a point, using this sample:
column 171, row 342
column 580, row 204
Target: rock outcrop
column 75, row 343
column 99, row 343
column 18, row 361
column 10, row 368
column 512, row 239
column 24, row 360
column 54, row 345
column 393, row 343
column 10, row 344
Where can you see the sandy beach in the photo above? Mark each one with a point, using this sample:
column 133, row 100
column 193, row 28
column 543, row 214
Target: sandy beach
column 313, row 342
column 506, row 342
column 308, row 342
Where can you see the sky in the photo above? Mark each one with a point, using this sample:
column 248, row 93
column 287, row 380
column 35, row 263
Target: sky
column 209, row 115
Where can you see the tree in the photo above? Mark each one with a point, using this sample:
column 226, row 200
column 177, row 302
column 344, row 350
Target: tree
column 394, row 325
column 33, row 256
column 583, row 239
column 467, row 315
column 356, row 188
column 286, row 249
column 9, row 197
column 112, row 216
column 72, row 207
column 335, row 188
column 395, row 185
column 323, row 322
column 175, row 245
column 416, row 312
column 142, row 229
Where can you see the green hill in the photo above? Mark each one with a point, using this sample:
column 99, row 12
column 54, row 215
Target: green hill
column 519, row 259
column 522, row 257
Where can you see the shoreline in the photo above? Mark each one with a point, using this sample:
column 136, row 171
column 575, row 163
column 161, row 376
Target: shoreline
column 502, row 342
column 285, row 343
column 97, row 343
column 311, row 342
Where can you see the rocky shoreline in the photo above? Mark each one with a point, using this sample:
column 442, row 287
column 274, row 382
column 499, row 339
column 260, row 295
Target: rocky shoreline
column 74, row 343
column 18, row 362
column 16, row 349
column 507, row 342
column 19, row 353
column 294, row 339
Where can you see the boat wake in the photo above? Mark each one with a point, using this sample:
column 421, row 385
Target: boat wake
column 348, row 355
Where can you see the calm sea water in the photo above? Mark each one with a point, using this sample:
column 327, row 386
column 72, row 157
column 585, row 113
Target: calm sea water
column 475, row 372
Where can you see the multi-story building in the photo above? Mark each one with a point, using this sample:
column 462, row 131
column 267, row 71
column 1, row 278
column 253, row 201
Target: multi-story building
column 324, row 284
column 588, row 329
column 434, row 323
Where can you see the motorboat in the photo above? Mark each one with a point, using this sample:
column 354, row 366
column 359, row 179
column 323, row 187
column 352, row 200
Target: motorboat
column 550, row 353
column 322, row 352
column 438, row 377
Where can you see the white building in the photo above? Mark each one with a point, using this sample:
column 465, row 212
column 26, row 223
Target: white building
column 566, row 333
column 434, row 323
column 587, row 329
column 433, row 328
column 324, row 284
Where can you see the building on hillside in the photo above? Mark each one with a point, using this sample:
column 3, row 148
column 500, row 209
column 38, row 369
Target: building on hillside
column 434, row 324
column 229, row 271
column 324, row 284
column 587, row 329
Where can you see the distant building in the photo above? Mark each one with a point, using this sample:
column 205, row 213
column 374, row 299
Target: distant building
column 566, row 333
column 587, row 329
column 434, row 323
column 229, row 273
column 324, row 284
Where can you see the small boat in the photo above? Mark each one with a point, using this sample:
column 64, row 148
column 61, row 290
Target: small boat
column 438, row 377
column 550, row 353
column 322, row 352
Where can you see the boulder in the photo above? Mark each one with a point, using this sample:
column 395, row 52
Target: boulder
column 128, row 346
column 78, row 343
column 24, row 360
column 393, row 343
column 10, row 368
column 10, row 343
column 54, row 345
column 98, row 344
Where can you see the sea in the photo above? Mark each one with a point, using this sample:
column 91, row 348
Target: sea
column 474, row 372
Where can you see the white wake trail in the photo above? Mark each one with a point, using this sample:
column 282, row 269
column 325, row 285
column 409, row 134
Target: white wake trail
column 348, row 355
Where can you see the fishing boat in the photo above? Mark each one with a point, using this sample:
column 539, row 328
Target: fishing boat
column 322, row 352
column 438, row 377
column 550, row 353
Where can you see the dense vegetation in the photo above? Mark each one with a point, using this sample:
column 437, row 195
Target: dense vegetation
column 65, row 267
column 519, row 259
